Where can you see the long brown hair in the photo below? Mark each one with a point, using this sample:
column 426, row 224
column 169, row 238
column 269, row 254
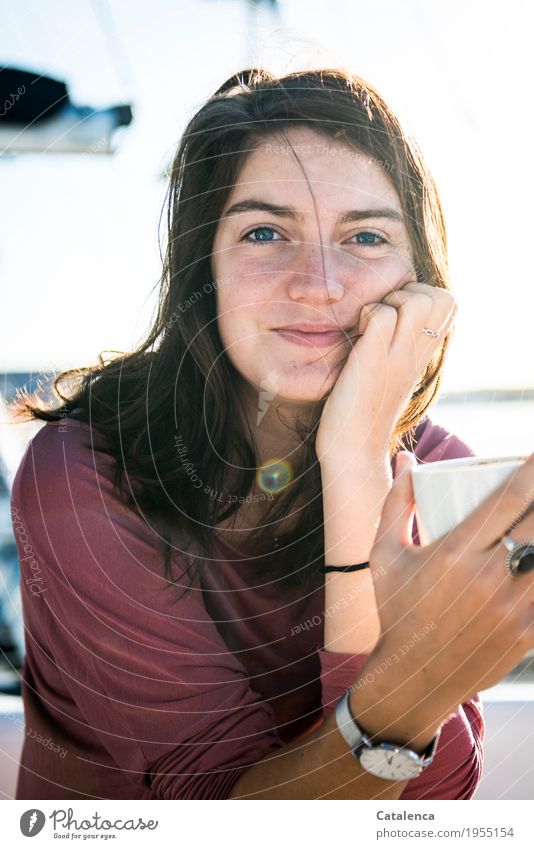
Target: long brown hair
column 153, row 404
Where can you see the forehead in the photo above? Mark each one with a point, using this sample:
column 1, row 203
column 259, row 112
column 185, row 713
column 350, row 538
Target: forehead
column 336, row 171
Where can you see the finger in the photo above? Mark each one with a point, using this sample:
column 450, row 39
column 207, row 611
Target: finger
column 377, row 320
column 417, row 312
column 519, row 588
column 429, row 289
column 394, row 530
column 440, row 301
column 528, row 511
column 400, row 294
column 412, row 345
column 487, row 524
column 365, row 314
column 521, row 531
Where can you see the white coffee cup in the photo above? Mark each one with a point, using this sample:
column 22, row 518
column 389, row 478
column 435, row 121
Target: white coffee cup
column 447, row 491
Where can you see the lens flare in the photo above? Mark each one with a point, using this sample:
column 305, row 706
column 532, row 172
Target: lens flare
column 274, row 476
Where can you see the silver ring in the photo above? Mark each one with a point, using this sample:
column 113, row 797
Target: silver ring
column 430, row 332
column 520, row 557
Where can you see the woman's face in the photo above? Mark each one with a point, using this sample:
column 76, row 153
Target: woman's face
column 307, row 248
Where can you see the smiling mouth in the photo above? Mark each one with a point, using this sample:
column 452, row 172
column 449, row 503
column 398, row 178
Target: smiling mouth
column 315, row 339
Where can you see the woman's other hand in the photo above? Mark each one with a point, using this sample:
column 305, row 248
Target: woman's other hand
column 474, row 622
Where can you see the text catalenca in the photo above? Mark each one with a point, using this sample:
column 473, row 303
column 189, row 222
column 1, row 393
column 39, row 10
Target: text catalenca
column 402, row 815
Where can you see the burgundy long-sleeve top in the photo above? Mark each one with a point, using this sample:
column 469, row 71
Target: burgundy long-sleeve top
column 129, row 694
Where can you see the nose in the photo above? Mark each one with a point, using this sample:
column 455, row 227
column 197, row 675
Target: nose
column 315, row 277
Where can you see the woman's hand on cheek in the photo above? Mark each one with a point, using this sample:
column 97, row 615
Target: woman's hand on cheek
column 382, row 370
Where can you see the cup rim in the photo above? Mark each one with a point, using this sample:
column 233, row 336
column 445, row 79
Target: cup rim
column 468, row 463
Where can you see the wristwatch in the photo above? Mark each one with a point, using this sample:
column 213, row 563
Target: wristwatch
column 391, row 761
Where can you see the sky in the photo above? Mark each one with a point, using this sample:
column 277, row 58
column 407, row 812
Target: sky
column 79, row 256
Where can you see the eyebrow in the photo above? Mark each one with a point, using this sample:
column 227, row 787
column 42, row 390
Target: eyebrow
column 347, row 217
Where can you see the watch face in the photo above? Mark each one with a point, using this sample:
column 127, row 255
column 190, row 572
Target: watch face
column 390, row 763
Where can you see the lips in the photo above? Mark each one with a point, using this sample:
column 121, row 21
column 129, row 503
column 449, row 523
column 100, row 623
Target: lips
column 312, row 335
column 314, row 327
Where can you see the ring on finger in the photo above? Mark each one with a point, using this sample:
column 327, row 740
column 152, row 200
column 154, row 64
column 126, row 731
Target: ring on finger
column 520, row 556
column 430, row 332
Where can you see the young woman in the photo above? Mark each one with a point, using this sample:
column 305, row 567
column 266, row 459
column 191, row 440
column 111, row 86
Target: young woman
column 175, row 512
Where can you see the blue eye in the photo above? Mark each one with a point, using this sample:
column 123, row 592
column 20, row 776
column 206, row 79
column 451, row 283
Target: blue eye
column 265, row 235
column 370, row 239
column 262, row 235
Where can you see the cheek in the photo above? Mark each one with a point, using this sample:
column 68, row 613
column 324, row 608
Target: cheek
column 363, row 277
column 238, row 322
column 255, row 282
column 243, row 302
column 370, row 280
column 246, row 348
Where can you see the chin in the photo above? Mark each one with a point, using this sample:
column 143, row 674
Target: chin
column 297, row 383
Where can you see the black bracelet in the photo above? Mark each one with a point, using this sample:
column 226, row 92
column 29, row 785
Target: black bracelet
column 354, row 568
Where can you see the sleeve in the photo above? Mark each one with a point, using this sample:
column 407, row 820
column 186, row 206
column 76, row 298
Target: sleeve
column 433, row 442
column 152, row 678
column 457, row 766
